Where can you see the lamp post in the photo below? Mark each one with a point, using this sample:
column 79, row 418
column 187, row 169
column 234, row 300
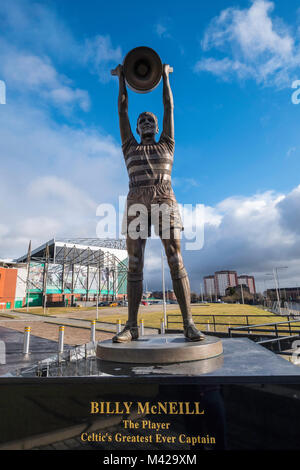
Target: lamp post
column 243, row 301
column 277, row 291
column 276, row 278
column 269, row 274
column 265, row 290
column 201, row 292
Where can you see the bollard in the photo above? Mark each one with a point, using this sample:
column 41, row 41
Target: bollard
column 162, row 327
column 26, row 340
column 142, row 327
column 119, row 326
column 2, row 353
column 208, row 326
column 93, row 331
column 61, row 339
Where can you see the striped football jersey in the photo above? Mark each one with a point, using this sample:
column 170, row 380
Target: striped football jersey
column 149, row 165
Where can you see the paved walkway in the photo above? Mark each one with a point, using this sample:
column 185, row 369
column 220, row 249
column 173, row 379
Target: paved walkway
column 75, row 322
column 13, row 357
column 74, row 336
column 44, row 336
column 100, row 325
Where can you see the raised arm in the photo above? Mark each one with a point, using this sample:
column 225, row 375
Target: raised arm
column 125, row 128
column 168, row 123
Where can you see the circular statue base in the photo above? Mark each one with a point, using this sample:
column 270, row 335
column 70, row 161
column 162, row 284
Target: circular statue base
column 159, row 349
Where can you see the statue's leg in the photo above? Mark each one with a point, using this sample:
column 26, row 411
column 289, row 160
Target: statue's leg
column 136, row 249
column 181, row 286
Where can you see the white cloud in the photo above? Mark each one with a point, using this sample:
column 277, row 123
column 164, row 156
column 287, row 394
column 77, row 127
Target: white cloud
column 38, row 28
column 65, row 96
column 185, row 182
column 37, row 227
column 289, row 211
column 54, row 175
column 224, row 68
column 256, row 45
column 99, row 52
column 160, row 30
column 163, row 29
column 249, row 234
column 38, row 31
column 53, row 178
column 26, row 72
column 58, row 190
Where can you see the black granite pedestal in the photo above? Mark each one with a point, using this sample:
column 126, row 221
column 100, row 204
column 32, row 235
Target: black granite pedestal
column 248, row 398
column 242, row 361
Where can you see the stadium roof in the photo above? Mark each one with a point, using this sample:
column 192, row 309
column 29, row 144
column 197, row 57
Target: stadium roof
column 98, row 242
column 84, row 251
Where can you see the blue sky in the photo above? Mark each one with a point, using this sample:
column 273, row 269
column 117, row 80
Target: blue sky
column 224, row 130
column 236, row 128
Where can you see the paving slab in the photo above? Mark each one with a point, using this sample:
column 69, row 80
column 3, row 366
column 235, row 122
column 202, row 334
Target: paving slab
column 40, row 348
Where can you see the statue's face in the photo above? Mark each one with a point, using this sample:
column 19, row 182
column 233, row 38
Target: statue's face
column 146, row 125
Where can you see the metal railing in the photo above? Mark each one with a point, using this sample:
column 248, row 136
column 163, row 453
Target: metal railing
column 260, row 328
column 278, row 341
column 270, row 335
column 211, row 320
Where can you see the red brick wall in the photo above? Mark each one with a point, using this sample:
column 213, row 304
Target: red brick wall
column 8, row 281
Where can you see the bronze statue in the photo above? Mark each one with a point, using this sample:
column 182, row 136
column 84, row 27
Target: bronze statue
column 149, row 165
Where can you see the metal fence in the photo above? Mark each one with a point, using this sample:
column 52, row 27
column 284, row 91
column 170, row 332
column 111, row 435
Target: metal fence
column 274, row 328
column 212, row 320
